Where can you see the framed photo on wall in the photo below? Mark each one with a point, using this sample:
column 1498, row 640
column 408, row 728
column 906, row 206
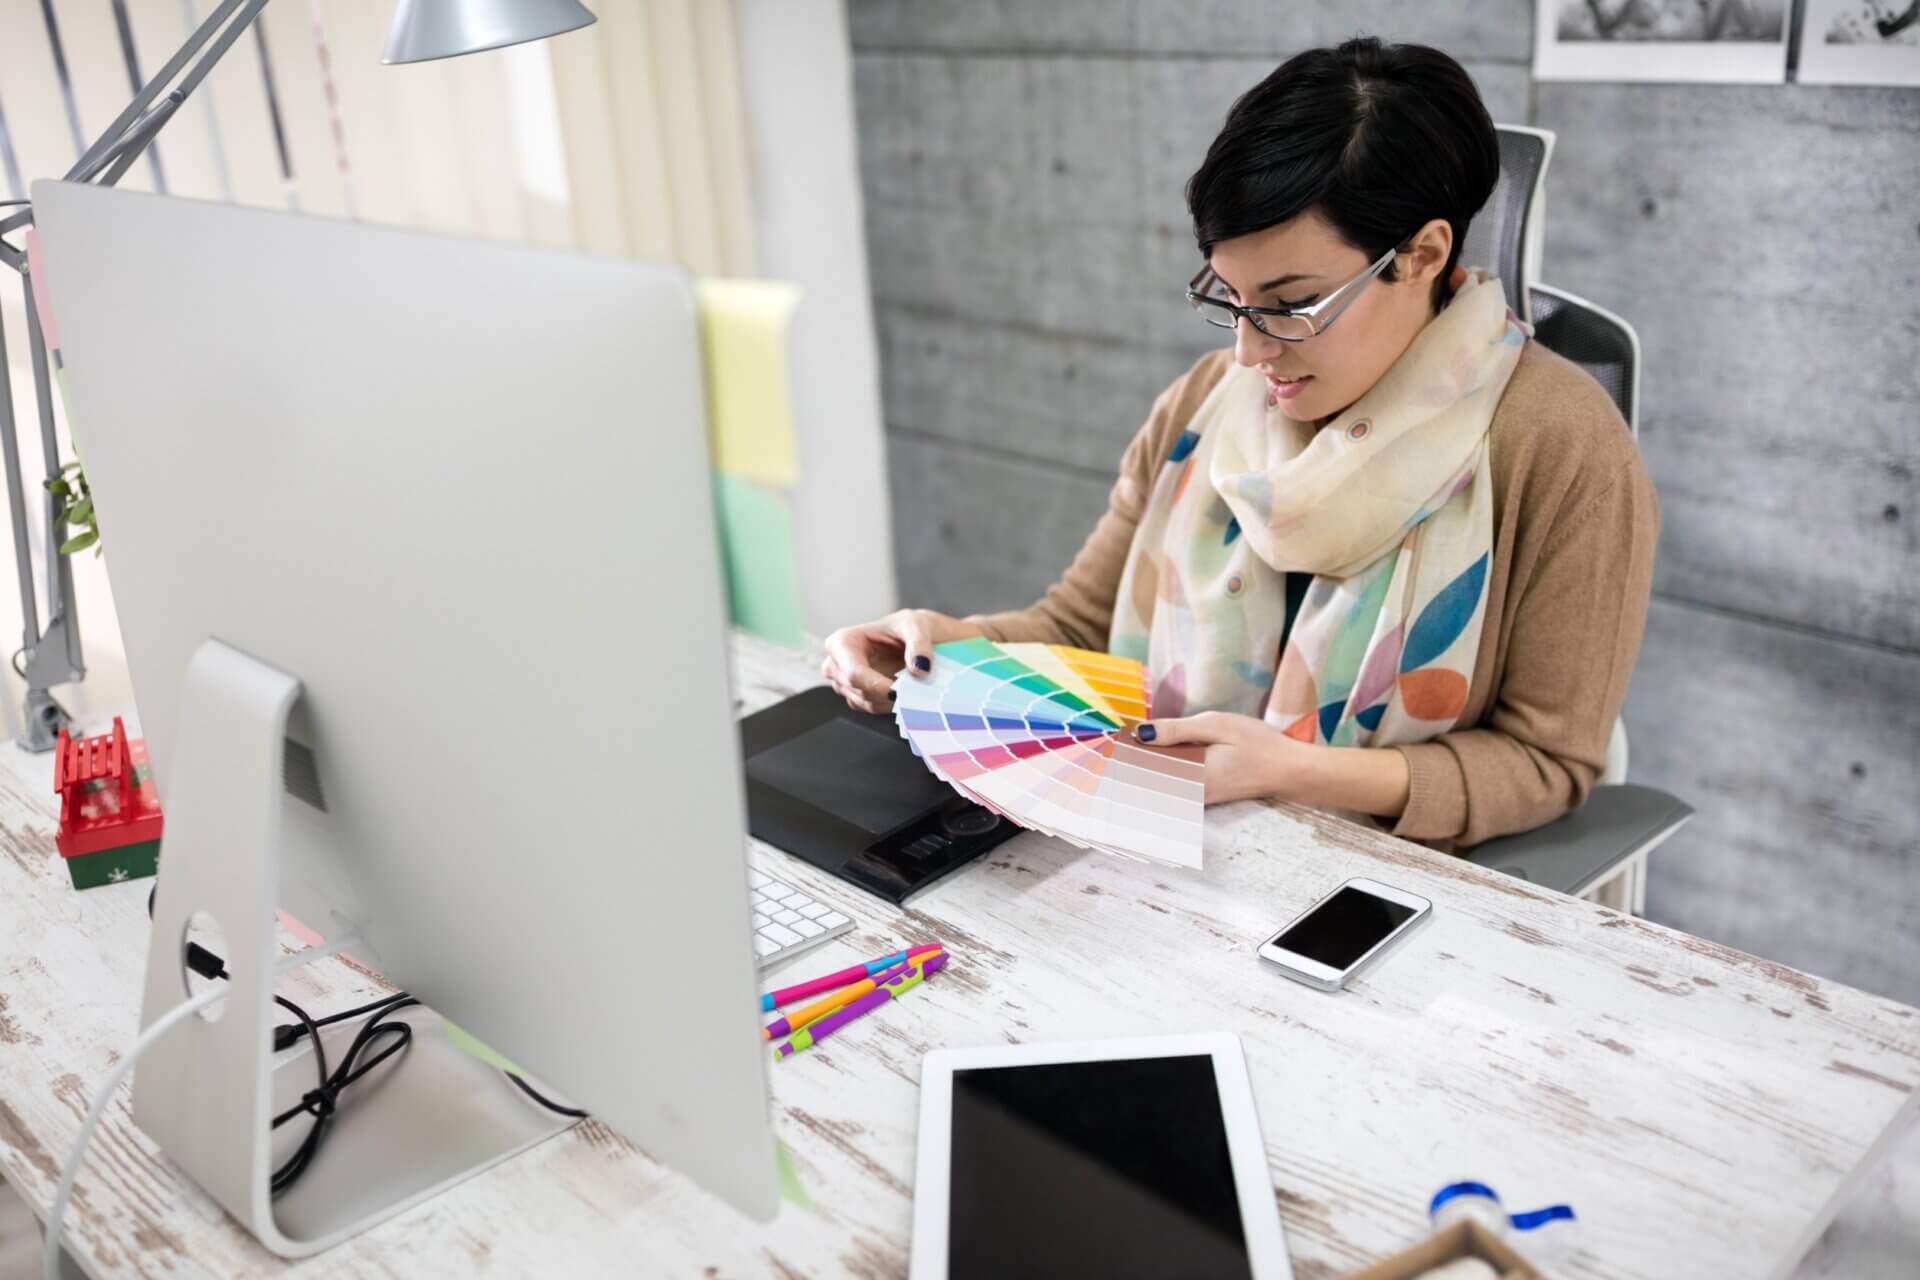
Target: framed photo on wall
column 1860, row 42
column 1707, row 41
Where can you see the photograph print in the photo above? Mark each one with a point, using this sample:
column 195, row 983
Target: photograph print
column 1710, row 41
column 1860, row 42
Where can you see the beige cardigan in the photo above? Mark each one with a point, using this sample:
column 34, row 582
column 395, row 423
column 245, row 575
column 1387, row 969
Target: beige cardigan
column 1574, row 529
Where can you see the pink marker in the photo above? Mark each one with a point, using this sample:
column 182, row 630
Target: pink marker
column 896, row 985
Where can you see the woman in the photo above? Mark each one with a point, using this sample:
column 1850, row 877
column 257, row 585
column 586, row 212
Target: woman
column 1385, row 555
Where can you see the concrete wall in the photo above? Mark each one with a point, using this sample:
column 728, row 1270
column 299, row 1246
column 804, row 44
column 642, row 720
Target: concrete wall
column 1022, row 166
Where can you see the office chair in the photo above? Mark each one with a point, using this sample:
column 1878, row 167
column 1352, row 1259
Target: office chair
column 1505, row 236
column 1600, row 850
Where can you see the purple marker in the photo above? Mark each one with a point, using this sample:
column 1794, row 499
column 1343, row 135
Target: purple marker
column 895, row 985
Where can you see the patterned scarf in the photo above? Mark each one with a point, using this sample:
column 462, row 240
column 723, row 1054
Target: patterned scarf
column 1389, row 506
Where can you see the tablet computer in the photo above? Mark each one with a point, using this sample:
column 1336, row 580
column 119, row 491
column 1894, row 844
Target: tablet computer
column 1112, row 1158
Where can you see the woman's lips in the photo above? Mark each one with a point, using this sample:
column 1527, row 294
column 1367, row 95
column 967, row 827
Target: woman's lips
column 1284, row 389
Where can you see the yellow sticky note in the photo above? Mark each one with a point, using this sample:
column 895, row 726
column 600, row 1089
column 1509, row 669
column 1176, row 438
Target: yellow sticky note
column 743, row 333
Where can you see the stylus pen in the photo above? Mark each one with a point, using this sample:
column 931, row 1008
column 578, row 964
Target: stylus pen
column 895, row 986
column 820, row 1008
column 834, row 981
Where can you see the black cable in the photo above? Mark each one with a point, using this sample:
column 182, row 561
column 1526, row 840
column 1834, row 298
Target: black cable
column 322, row 1101
column 288, row 1034
column 545, row 1101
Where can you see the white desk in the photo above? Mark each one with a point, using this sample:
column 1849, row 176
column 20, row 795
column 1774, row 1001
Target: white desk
column 1704, row 1111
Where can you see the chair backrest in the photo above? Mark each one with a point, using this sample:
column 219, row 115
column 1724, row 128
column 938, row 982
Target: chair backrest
column 1595, row 339
column 1504, row 236
column 1607, row 347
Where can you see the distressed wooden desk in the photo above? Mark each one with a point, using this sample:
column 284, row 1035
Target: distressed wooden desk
column 1703, row 1110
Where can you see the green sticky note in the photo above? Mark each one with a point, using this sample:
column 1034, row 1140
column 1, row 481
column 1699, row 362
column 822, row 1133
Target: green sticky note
column 763, row 578
column 791, row 1189
column 474, row 1049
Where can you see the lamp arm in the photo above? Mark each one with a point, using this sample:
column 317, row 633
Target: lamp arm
column 54, row 656
column 16, row 500
column 228, row 27
column 120, row 156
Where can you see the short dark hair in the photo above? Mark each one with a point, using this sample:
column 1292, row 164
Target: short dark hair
column 1379, row 139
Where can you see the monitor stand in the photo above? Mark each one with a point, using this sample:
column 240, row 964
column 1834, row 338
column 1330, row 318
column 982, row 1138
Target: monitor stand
column 206, row 1091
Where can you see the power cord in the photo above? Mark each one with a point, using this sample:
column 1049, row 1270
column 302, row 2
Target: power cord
column 320, row 1102
column 544, row 1100
column 163, row 1024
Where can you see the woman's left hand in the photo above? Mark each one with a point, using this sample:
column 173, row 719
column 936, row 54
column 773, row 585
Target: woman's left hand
column 1246, row 757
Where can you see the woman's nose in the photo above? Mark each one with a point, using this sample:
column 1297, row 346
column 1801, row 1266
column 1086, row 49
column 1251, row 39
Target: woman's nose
column 1250, row 346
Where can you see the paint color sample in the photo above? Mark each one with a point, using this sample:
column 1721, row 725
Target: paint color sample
column 1043, row 735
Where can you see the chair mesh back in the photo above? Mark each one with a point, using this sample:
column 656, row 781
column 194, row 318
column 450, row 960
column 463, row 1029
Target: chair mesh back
column 1599, row 344
column 1496, row 238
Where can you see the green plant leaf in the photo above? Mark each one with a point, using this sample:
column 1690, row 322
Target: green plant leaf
column 80, row 543
column 71, row 466
column 81, row 512
column 59, row 488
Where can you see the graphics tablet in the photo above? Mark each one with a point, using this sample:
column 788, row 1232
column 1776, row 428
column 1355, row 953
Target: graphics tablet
column 1110, row 1158
column 844, row 791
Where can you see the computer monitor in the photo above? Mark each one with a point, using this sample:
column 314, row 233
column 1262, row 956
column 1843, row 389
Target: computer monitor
column 411, row 543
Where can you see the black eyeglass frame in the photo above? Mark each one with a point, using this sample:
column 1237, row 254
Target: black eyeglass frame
column 1319, row 317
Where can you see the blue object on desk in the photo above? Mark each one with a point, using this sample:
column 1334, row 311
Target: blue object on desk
column 1481, row 1191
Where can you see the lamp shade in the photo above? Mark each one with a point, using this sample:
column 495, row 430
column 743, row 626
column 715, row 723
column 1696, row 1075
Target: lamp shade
column 427, row 29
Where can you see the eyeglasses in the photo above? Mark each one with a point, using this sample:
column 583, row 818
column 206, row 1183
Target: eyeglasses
column 1287, row 324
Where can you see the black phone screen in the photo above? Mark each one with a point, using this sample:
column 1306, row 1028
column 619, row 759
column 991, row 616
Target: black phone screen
column 1344, row 927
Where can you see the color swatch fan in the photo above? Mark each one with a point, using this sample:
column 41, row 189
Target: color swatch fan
column 1042, row 734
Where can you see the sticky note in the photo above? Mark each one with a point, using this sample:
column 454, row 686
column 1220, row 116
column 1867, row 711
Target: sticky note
column 792, row 1190
column 474, row 1049
column 41, row 306
column 756, row 540
column 301, row 932
column 743, row 336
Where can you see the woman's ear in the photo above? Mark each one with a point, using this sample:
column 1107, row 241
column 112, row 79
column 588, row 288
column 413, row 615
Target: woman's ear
column 1426, row 255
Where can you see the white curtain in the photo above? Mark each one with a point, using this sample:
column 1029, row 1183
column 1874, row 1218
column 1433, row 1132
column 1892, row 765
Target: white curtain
column 628, row 137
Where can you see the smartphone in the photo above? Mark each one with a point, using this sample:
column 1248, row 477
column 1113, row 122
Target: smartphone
column 1344, row 932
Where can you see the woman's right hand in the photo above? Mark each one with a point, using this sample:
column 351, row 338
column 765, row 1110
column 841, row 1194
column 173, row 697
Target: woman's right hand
column 863, row 660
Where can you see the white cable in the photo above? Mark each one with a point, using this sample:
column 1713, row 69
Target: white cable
column 163, row 1024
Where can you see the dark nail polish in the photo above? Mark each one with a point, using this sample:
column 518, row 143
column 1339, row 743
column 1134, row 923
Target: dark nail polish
column 923, row 662
column 893, row 695
column 1146, row 732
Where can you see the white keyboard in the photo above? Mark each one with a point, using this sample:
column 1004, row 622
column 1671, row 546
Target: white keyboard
column 787, row 921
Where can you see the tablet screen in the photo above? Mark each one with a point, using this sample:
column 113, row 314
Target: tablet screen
column 1117, row 1168
column 870, row 779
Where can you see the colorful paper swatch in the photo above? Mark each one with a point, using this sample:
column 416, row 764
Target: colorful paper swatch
column 1043, row 735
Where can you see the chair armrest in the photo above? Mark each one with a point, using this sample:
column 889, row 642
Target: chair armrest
column 1574, row 853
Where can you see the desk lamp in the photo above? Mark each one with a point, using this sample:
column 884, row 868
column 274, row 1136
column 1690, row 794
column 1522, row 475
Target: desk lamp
column 422, row 30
